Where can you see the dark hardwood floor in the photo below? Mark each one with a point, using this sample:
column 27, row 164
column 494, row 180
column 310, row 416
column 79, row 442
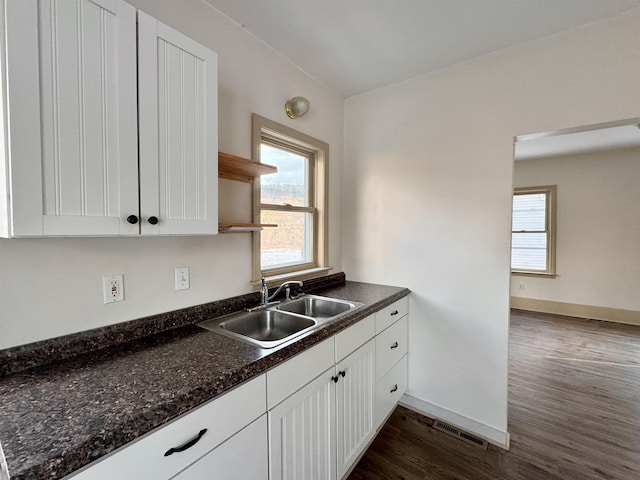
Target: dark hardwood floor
column 574, row 413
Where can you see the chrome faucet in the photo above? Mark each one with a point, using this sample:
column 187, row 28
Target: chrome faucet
column 287, row 289
column 266, row 300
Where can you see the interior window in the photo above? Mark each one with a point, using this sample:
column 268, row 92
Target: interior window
column 286, row 200
column 294, row 199
column 533, row 230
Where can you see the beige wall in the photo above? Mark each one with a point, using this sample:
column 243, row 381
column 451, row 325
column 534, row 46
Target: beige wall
column 50, row 287
column 598, row 231
column 428, row 165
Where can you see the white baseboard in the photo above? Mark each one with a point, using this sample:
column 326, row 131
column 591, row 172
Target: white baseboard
column 619, row 315
column 490, row 434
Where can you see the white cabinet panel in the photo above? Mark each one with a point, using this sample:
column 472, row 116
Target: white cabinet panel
column 302, row 433
column 355, row 393
column 391, row 314
column 390, row 389
column 90, row 99
column 178, row 131
column 242, row 457
column 350, row 339
column 293, row 374
column 391, row 346
column 72, row 137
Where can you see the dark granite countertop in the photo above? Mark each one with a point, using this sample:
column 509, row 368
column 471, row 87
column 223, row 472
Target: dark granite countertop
column 59, row 417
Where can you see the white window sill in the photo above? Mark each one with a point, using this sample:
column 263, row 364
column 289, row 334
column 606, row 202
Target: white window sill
column 275, row 280
column 526, row 273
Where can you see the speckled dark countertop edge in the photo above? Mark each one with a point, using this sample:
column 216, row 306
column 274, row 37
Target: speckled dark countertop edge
column 84, row 453
column 45, row 352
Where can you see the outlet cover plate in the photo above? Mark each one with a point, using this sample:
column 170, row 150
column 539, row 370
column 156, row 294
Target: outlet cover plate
column 113, row 288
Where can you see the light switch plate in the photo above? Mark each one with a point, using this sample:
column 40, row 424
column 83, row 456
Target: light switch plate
column 182, row 278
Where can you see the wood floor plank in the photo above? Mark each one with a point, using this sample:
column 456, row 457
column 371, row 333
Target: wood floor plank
column 574, row 413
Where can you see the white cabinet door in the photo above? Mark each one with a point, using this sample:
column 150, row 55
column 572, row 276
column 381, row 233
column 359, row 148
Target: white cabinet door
column 355, row 392
column 242, row 457
column 71, row 132
column 178, row 131
column 302, row 433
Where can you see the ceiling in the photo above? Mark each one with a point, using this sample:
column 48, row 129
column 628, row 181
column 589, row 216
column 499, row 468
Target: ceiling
column 353, row 46
column 543, row 146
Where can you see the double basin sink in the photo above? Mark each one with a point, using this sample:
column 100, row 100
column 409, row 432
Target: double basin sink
column 273, row 326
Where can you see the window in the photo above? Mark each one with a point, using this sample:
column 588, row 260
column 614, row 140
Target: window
column 533, row 230
column 294, row 198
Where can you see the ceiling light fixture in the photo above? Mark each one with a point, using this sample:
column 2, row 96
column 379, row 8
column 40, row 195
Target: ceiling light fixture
column 296, row 107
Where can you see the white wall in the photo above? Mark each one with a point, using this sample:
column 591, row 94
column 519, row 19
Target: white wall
column 427, row 204
column 598, row 231
column 51, row 287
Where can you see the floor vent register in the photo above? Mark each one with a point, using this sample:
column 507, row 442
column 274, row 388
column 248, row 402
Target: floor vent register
column 460, row 434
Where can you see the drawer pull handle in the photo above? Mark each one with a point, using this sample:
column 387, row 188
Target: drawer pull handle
column 395, row 312
column 395, row 387
column 395, row 345
column 335, row 379
column 342, row 373
column 187, row 445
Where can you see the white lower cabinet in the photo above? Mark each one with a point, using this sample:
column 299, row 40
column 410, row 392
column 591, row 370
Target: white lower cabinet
column 392, row 339
column 302, row 433
column 321, row 430
column 355, row 406
column 242, row 457
column 389, row 390
column 318, row 432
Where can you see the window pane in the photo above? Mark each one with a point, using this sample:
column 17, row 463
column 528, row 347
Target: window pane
column 290, row 242
column 289, row 184
column 529, row 212
column 529, row 251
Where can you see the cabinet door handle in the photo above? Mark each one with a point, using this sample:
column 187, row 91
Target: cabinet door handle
column 132, row 219
column 395, row 387
column 395, row 345
column 187, row 445
column 335, row 379
column 153, row 220
column 342, row 373
column 395, row 312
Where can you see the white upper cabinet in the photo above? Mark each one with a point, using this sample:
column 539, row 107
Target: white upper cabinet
column 77, row 93
column 178, row 111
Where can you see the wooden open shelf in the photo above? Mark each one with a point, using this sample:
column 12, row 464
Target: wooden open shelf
column 241, row 169
column 243, row 227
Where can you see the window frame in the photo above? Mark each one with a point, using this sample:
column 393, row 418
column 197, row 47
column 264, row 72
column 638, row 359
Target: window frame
column 317, row 152
column 550, row 191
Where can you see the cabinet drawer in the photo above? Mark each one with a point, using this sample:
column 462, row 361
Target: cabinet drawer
column 390, row 389
column 145, row 458
column 352, row 338
column 242, row 457
column 388, row 315
column 294, row 374
column 391, row 346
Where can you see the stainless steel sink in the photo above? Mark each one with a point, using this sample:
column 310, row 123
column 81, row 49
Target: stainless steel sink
column 318, row 307
column 265, row 328
column 274, row 326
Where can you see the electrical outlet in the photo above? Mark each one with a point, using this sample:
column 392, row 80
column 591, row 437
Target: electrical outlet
column 113, row 288
column 182, row 278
